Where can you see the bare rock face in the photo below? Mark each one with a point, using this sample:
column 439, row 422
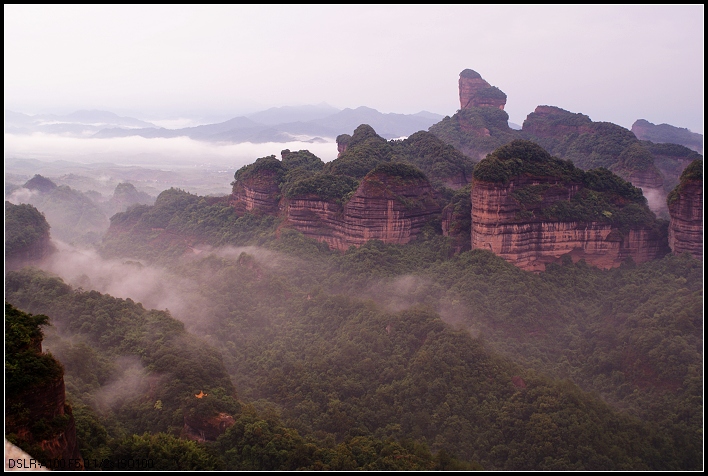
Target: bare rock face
column 530, row 244
column 386, row 206
column 476, row 92
column 45, row 424
column 686, row 210
column 481, row 124
column 318, row 219
column 389, row 208
column 256, row 187
column 529, row 217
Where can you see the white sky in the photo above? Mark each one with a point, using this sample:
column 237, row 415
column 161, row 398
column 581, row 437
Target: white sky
column 613, row 63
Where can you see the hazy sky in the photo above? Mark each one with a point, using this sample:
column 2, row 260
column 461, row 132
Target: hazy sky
column 613, row 63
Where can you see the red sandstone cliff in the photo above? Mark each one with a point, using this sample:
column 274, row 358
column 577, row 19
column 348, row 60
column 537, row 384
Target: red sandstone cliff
column 481, row 124
column 385, row 207
column 257, row 193
column 476, row 92
column 686, row 211
column 530, row 243
column 45, row 425
column 531, row 209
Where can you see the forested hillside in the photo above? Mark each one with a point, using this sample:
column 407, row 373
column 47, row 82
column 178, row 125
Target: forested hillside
column 467, row 355
column 285, row 354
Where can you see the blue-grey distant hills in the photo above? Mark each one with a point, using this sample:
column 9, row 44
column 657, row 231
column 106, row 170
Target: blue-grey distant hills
column 80, row 123
column 310, row 123
column 666, row 133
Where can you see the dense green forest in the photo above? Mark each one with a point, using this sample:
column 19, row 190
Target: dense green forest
column 400, row 357
column 385, row 344
column 31, row 227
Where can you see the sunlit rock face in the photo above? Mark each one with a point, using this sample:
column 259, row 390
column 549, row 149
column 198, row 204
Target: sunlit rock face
column 686, row 211
column 476, row 92
column 384, row 207
column 530, row 243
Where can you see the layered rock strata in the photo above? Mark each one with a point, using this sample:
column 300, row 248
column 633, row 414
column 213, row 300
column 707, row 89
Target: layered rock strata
column 384, row 207
column 531, row 243
column 258, row 193
column 476, row 92
column 686, row 211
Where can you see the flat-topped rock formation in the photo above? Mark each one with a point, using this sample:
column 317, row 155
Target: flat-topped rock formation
column 392, row 204
column 531, row 209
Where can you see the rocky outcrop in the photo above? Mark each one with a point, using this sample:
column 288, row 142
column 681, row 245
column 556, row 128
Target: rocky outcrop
column 685, row 204
column 37, row 419
column 536, row 214
column 666, row 133
column 387, row 206
column 206, row 429
column 481, row 124
column 476, row 92
column 342, row 143
column 48, row 403
column 255, row 188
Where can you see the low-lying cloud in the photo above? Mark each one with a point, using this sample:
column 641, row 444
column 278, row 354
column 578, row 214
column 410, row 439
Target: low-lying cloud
column 156, row 152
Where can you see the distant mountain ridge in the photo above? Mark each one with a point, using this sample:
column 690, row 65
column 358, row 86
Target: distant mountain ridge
column 80, row 123
column 666, row 133
column 309, row 123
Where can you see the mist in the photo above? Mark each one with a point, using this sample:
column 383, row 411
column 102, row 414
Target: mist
column 656, row 199
column 152, row 286
column 156, row 152
column 132, row 381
